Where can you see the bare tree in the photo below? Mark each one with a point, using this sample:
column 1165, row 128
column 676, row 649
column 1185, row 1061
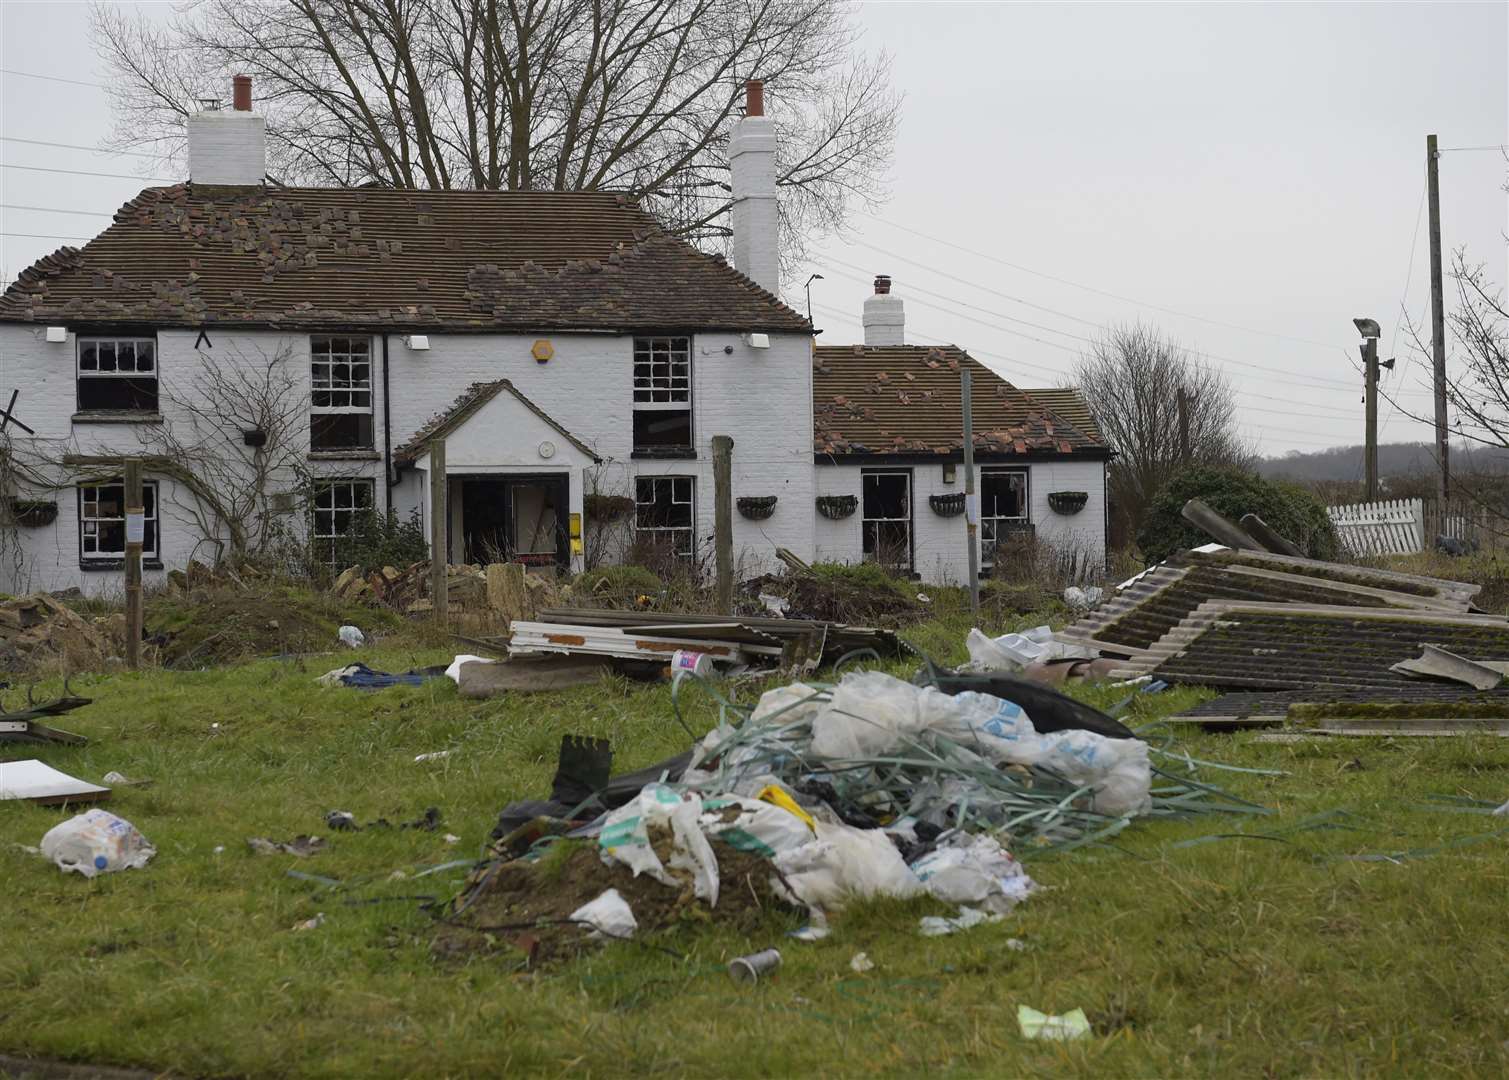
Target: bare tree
column 1131, row 379
column 632, row 95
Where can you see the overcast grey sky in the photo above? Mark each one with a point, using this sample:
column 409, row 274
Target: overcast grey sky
column 1247, row 177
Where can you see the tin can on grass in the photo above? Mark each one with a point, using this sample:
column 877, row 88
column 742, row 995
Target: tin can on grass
column 748, row 969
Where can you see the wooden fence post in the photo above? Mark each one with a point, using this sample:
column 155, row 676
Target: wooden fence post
column 135, row 537
column 723, row 521
column 439, row 530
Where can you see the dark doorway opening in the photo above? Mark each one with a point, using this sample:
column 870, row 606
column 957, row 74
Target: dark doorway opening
column 515, row 519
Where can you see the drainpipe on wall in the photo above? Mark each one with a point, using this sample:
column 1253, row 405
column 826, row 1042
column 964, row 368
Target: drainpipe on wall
column 387, row 433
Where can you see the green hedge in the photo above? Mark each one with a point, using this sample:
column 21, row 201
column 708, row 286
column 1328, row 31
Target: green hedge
column 1288, row 508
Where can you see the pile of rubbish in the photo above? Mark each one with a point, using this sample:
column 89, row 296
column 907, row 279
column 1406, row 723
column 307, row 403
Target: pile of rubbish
column 501, row 588
column 820, row 794
column 38, row 629
column 836, row 599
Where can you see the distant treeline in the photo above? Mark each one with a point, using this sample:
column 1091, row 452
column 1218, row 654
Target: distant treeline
column 1399, row 460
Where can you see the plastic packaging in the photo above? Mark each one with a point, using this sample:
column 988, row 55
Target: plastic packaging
column 610, row 916
column 688, row 662
column 453, row 672
column 842, row 863
column 968, row 917
column 96, row 842
column 625, row 838
column 352, row 637
column 1013, row 652
column 974, row 870
column 753, row 825
column 1036, row 1025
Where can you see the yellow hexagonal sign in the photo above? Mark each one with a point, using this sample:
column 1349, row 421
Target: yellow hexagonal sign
column 542, row 350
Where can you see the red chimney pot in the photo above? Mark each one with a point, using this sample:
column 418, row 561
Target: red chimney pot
column 241, row 93
column 882, row 284
column 754, row 98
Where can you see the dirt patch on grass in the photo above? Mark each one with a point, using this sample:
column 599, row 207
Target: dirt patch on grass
column 213, row 626
column 521, row 907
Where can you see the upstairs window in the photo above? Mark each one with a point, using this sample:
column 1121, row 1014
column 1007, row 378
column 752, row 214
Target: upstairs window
column 663, row 396
column 339, row 506
column 340, row 403
column 102, row 522
column 117, row 374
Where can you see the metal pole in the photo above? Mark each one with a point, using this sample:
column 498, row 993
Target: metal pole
column 439, row 530
column 1437, row 318
column 971, row 509
column 135, row 536
column 723, row 521
column 1370, row 379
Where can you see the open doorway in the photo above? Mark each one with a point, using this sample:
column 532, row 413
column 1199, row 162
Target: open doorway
column 518, row 518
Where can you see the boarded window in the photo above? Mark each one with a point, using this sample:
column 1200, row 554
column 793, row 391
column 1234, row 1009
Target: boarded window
column 117, row 374
column 339, row 506
column 886, row 520
column 663, row 395
column 102, row 521
column 340, row 387
column 665, row 513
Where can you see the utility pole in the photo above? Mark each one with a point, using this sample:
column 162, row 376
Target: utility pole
column 1182, row 400
column 439, row 521
column 971, row 508
column 136, row 525
column 723, row 522
column 1437, row 318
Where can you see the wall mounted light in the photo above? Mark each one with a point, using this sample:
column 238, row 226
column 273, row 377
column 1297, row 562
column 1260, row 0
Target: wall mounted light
column 57, row 334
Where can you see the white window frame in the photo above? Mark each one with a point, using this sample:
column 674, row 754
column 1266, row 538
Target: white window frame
column 343, row 397
column 671, row 388
column 684, row 550
column 90, row 522
column 326, row 486
column 907, row 519
column 115, row 342
column 991, row 531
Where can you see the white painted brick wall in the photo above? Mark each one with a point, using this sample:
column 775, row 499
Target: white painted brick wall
column 756, row 219
column 760, row 397
column 940, row 550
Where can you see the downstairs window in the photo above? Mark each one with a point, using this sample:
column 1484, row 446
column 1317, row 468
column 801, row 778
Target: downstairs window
column 339, row 506
column 102, row 522
column 664, row 512
column 886, row 521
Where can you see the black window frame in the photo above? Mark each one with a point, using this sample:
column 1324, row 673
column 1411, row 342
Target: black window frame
column 83, row 376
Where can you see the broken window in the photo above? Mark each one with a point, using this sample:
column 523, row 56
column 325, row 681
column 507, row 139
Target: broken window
column 117, row 374
column 886, row 527
column 339, row 506
column 664, row 512
column 102, row 521
column 1003, row 509
column 663, row 395
column 340, row 403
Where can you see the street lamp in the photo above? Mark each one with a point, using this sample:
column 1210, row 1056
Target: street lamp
column 810, row 280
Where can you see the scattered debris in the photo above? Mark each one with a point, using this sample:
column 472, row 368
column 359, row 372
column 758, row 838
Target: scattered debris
column 362, row 677
column 96, row 842
column 116, row 779
column 24, row 725
column 1435, row 662
column 434, row 755
column 302, row 846
column 1083, row 599
column 38, row 628
column 609, row 916
column 310, row 924
column 352, row 637
column 860, row 963
column 748, row 969
column 528, row 674
column 32, row 781
column 1036, row 1025
column 968, row 918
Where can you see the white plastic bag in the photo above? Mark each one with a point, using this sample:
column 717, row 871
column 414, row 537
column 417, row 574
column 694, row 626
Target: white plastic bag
column 968, row 918
column 352, row 637
column 610, row 916
column 974, row 870
column 1013, row 652
column 841, row 863
column 454, row 671
column 869, row 714
column 625, row 838
column 752, row 825
column 96, row 842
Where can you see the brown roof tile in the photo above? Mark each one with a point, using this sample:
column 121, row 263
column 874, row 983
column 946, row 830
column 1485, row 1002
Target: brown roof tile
column 905, row 399
column 189, row 255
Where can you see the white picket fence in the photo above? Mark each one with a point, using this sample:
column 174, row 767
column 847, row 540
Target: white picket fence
column 1392, row 527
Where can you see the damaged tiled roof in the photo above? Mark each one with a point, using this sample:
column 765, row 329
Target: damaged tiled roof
column 471, row 399
column 1069, row 403
column 905, row 399
column 191, row 255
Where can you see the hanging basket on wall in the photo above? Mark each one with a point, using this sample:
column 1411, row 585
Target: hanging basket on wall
column 756, row 507
column 837, row 507
column 1068, row 502
column 33, row 513
column 950, row 505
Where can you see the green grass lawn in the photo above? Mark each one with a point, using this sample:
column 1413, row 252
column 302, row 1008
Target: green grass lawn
column 1269, row 955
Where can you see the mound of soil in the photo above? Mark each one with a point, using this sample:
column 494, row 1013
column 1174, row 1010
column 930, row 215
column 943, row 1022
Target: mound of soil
column 523, row 906
column 841, row 600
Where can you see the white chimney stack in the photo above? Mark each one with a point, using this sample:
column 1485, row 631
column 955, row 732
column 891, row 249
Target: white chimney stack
column 884, row 321
column 229, row 146
column 751, row 160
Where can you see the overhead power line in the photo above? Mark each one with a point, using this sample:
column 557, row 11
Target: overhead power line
column 81, row 172
column 1101, row 292
column 51, row 78
column 55, row 210
column 77, row 146
column 46, row 236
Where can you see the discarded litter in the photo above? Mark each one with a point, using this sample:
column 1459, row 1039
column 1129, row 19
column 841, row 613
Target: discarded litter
column 861, row 963
column 434, row 755
column 96, row 842
column 311, row 924
column 967, row 919
column 453, row 672
column 34, row 781
column 116, row 779
column 352, row 637
column 1013, row 652
column 974, row 870
column 361, row 677
column 609, row 916
column 1083, row 599
column 301, row 846
column 748, row 969
column 1037, row 1025
column 686, row 662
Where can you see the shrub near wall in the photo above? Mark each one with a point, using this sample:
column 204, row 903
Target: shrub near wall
column 1288, row 508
